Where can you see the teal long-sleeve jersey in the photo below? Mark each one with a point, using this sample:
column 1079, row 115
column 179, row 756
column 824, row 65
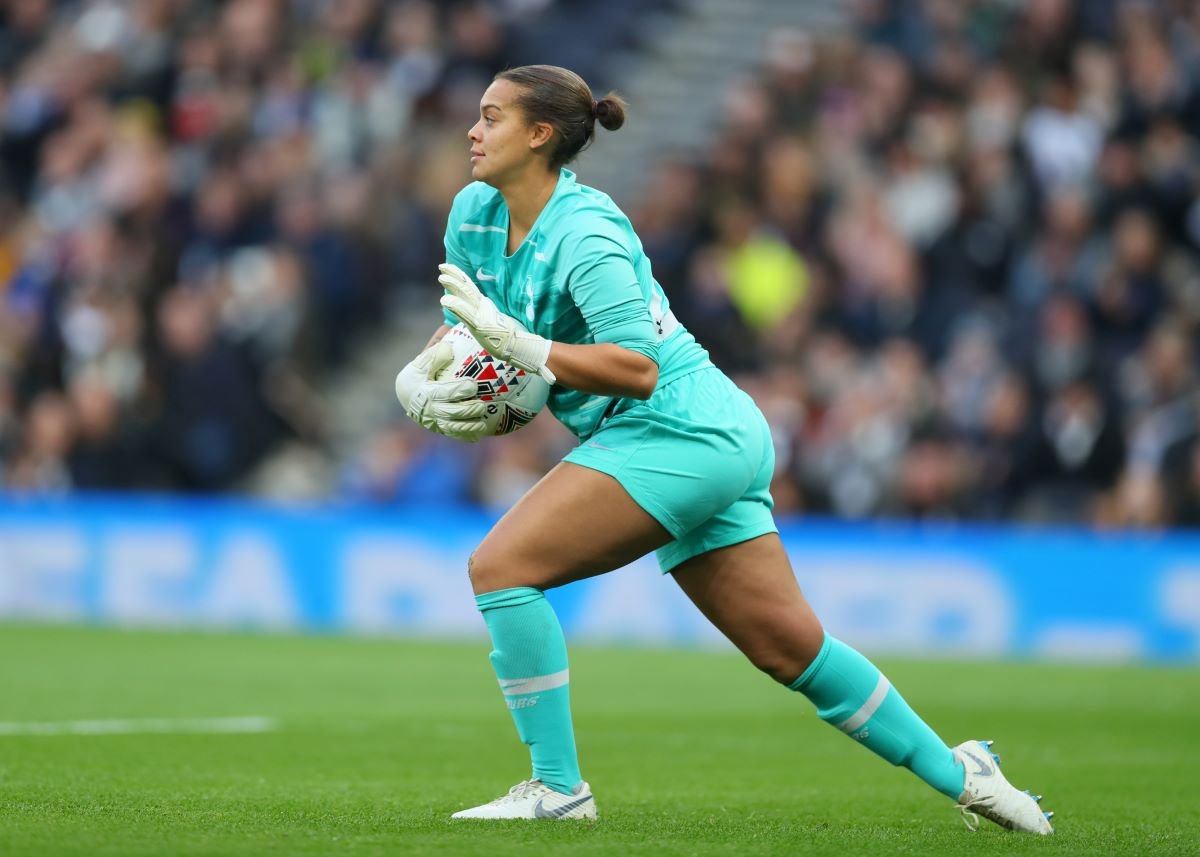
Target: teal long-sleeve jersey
column 579, row 277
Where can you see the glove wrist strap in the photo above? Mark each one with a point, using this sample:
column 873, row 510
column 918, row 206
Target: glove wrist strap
column 531, row 352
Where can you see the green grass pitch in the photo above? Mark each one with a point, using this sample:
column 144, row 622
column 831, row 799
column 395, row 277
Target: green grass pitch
column 378, row 741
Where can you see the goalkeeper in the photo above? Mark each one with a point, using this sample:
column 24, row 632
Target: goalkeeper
column 673, row 458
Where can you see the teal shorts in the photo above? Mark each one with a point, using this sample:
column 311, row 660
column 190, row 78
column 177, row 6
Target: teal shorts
column 698, row 457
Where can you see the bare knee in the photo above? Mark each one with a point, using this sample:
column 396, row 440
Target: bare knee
column 786, row 659
column 482, row 571
column 784, row 667
column 492, row 569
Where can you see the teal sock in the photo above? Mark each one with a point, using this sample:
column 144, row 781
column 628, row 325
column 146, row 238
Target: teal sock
column 852, row 694
column 530, row 659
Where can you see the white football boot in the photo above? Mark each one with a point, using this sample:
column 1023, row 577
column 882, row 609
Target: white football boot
column 533, row 799
column 986, row 792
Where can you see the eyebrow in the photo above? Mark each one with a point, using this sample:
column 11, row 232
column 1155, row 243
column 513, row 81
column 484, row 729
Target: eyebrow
column 490, row 106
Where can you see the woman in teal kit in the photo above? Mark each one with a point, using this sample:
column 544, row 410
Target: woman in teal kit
column 673, row 458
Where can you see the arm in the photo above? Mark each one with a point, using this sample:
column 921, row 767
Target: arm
column 604, row 368
column 624, row 359
column 621, row 362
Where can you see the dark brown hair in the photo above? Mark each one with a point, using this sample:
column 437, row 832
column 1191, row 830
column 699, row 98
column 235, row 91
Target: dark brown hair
column 562, row 99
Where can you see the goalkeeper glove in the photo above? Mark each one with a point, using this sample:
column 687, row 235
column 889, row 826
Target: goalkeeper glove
column 449, row 408
column 502, row 336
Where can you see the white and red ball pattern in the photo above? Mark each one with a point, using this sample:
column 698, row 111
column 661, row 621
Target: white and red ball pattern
column 514, row 396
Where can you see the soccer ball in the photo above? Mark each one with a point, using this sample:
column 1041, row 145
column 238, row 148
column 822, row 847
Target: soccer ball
column 514, row 396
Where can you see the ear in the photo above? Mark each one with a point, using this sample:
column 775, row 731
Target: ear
column 540, row 134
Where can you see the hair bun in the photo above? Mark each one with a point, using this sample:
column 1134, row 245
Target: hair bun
column 609, row 111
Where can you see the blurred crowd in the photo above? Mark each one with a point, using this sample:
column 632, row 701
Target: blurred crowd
column 954, row 256
column 953, row 252
column 205, row 204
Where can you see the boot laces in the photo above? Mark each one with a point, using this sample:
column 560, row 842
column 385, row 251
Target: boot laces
column 520, row 790
column 970, row 819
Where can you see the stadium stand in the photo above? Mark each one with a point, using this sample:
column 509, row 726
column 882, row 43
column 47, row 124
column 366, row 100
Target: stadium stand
column 951, row 250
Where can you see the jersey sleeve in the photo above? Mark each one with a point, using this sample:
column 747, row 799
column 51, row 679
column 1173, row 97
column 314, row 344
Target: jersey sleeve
column 604, row 286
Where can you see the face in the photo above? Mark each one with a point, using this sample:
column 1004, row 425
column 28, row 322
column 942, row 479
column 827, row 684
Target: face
column 503, row 144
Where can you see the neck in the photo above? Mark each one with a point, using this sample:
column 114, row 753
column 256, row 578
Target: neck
column 527, row 196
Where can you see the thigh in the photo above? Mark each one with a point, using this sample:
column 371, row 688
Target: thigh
column 574, row 523
column 746, row 518
column 748, row 590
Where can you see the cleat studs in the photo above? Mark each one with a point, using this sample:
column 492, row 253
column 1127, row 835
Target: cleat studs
column 987, row 743
column 1049, row 815
column 1037, row 798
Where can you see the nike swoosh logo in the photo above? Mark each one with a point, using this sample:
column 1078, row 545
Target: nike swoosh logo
column 985, row 770
column 559, row 811
column 595, row 445
column 483, row 275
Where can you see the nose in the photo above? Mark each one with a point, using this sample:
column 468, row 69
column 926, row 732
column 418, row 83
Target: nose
column 473, row 135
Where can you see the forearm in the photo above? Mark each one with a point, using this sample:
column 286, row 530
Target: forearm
column 603, row 368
